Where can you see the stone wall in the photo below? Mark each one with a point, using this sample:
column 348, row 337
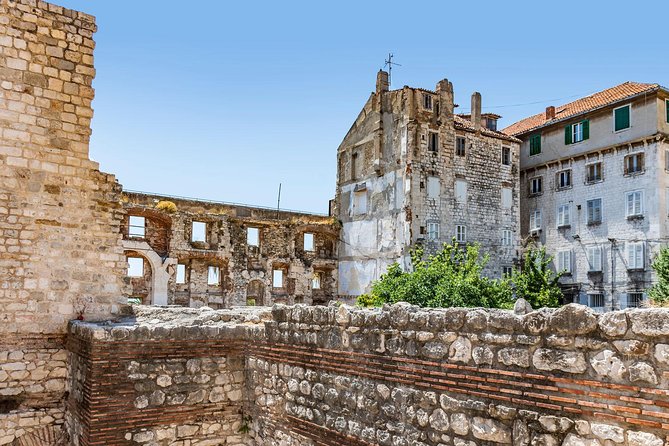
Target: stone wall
column 60, row 248
column 393, row 376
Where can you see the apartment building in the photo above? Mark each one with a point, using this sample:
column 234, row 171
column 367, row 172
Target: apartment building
column 594, row 190
column 412, row 171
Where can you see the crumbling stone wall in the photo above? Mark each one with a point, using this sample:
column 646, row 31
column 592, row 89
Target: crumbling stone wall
column 60, row 251
column 246, row 271
column 393, row 376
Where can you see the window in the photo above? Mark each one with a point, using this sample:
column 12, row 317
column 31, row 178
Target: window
column 634, row 203
column 308, row 241
column 594, row 258
column 635, row 256
column 634, row 163
column 535, row 220
column 213, row 275
column 427, row 101
column 535, row 145
column 596, row 300
column 199, row 232
column 460, row 191
column 491, row 123
column 181, row 273
column 563, row 179
column 564, row 261
column 252, row 237
column 136, row 226
column 316, row 281
column 354, row 167
column 666, row 107
column 577, row 132
column 433, row 231
column 460, row 145
column 277, row 278
column 135, row 267
column 506, row 156
column 507, row 197
column 433, row 187
column 621, row 118
column 433, row 142
column 507, row 271
column 563, row 215
column 594, row 210
column 360, row 202
column 634, row 300
column 666, row 160
column 593, row 173
column 507, row 237
column 461, row 233
column 535, row 186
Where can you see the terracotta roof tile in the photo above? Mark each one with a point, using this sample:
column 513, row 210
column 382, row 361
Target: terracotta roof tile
column 466, row 124
column 601, row 99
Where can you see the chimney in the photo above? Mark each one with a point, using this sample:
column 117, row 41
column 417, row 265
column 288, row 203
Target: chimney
column 550, row 113
column 476, row 110
column 445, row 93
column 382, row 81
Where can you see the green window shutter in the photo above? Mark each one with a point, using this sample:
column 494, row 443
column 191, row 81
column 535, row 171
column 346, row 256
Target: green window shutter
column 586, row 129
column 666, row 106
column 567, row 135
column 535, row 144
column 622, row 118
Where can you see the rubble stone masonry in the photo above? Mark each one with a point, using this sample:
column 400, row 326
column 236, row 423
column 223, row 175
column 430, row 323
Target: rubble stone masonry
column 394, row 376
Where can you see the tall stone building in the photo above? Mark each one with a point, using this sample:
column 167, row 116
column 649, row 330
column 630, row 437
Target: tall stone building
column 412, row 171
column 595, row 190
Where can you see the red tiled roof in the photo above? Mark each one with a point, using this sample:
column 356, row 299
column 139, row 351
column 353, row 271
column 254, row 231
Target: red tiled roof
column 601, row 99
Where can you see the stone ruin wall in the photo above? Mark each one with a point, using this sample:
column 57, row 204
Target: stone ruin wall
column 59, row 215
column 394, row 376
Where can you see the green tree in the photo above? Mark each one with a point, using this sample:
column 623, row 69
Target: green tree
column 535, row 281
column 659, row 293
column 451, row 278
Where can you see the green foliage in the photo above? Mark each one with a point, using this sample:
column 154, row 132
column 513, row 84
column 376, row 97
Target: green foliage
column 659, row 293
column 451, row 278
column 167, row 206
column 535, row 281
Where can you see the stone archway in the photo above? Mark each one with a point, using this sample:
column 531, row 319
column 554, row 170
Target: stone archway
column 47, row 436
column 160, row 269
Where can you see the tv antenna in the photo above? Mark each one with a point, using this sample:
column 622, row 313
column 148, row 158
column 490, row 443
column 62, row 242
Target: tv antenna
column 389, row 64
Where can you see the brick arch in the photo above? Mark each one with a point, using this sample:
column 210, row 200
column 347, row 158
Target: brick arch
column 47, row 436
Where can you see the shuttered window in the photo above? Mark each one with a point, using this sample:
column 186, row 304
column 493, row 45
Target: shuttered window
column 578, row 132
column 621, row 118
column 535, row 144
column 666, row 107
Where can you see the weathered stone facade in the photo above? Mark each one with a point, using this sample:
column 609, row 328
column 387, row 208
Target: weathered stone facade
column 400, row 375
column 412, row 171
column 309, row 273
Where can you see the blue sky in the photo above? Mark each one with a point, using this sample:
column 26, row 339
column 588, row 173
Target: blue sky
column 225, row 100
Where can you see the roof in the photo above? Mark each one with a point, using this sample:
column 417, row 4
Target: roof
column 595, row 101
column 466, row 124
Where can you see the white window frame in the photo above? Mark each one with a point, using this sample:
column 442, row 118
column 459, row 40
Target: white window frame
column 565, row 173
column 563, row 261
column 135, row 266
column 535, row 220
column 136, row 226
column 433, row 231
column 631, row 206
column 594, row 256
column 613, row 124
column 563, row 215
column 577, row 132
column 540, row 182
column 308, row 242
column 461, row 233
column 198, row 224
column 253, row 236
column 180, row 278
column 587, row 211
column 636, row 255
column 213, row 275
column 278, row 279
column 507, row 237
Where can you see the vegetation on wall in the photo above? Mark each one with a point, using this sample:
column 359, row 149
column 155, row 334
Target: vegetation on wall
column 454, row 278
column 659, row 293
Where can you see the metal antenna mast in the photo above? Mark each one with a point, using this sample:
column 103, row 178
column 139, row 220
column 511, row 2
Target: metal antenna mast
column 278, row 203
column 389, row 64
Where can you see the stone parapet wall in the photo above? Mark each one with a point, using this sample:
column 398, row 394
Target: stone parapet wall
column 393, row 376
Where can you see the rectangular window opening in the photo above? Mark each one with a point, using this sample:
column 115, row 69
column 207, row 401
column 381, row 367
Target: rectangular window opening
column 308, row 241
column 461, row 233
column 181, row 273
column 506, row 156
column 316, row 281
column 460, row 191
column 433, row 231
column 427, row 101
column 135, row 267
column 563, row 179
column 277, row 278
column 634, row 163
column 213, row 275
column 594, row 172
column 536, row 185
column 507, row 237
column 634, row 300
column 635, row 255
column 535, row 220
column 564, row 215
column 564, row 262
column 596, row 300
column 535, row 145
column 253, row 236
column 621, row 118
column 136, row 226
column 433, row 142
column 594, row 258
column 460, row 146
column 634, row 206
column 594, row 211
column 199, row 232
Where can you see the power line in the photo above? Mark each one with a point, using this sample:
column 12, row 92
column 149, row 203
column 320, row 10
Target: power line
column 537, row 102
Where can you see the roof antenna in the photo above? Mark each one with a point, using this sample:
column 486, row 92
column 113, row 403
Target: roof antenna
column 389, row 64
column 278, row 203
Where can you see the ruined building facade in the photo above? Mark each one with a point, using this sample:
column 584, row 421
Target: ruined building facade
column 595, row 191
column 198, row 253
column 411, row 171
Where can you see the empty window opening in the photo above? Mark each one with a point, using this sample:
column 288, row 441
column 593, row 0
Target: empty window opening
column 277, row 278
column 460, row 146
column 253, row 236
column 181, row 273
column 213, row 275
column 354, row 167
column 506, row 156
column 308, row 241
column 137, row 226
column 433, row 142
column 316, row 280
column 135, row 267
column 199, row 232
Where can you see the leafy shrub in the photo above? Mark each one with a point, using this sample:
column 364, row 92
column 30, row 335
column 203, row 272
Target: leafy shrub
column 167, row 206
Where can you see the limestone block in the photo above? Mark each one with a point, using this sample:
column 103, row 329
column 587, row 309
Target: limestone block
column 567, row 361
column 490, row 430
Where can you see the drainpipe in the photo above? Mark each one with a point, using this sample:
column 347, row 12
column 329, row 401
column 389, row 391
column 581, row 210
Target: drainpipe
column 615, row 303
